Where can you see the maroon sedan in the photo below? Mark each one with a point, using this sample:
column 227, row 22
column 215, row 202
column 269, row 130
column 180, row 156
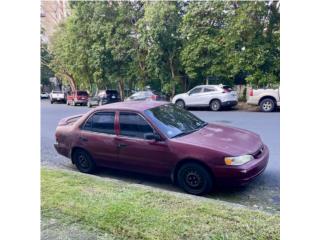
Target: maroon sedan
column 161, row 139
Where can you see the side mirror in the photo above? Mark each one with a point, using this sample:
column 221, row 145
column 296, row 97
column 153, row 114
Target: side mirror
column 152, row 136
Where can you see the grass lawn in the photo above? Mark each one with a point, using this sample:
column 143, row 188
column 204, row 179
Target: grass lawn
column 120, row 210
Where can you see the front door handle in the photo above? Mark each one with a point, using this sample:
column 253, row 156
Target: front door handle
column 83, row 139
column 121, row 145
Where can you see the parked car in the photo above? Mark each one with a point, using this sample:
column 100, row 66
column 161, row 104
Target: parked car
column 214, row 96
column 77, row 97
column 109, row 96
column 147, row 95
column 161, row 139
column 104, row 97
column 267, row 99
column 44, row 95
column 57, row 96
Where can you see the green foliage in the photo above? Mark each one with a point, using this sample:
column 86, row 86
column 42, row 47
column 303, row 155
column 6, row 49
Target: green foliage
column 168, row 45
column 46, row 71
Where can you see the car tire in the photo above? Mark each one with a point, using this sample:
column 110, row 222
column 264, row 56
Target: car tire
column 267, row 105
column 83, row 161
column 51, row 101
column 181, row 104
column 194, row 179
column 215, row 105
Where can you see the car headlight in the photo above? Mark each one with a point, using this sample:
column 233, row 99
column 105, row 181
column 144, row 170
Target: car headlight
column 236, row 161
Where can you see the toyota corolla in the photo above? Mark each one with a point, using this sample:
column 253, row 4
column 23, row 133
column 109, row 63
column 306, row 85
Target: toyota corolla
column 161, row 139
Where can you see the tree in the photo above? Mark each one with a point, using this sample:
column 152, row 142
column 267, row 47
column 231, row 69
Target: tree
column 160, row 37
column 203, row 54
column 46, row 71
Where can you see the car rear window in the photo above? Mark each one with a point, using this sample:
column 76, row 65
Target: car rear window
column 102, row 122
column 82, row 93
column 227, row 88
column 112, row 92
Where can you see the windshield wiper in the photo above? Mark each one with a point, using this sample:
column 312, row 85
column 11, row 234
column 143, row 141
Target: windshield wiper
column 184, row 133
column 191, row 131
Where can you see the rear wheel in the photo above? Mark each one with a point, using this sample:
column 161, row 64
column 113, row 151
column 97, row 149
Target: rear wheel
column 215, row 105
column 180, row 104
column 83, row 161
column 194, row 179
column 267, row 105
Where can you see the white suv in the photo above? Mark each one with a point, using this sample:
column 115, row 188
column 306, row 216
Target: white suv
column 214, row 96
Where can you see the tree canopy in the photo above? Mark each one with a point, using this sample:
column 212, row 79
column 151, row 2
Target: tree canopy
column 170, row 46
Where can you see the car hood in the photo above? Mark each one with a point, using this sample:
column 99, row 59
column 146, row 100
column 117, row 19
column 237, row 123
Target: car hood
column 181, row 95
column 226, row 139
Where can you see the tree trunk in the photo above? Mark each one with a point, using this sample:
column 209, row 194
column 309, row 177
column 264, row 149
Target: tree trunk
column 121, row 88
column 172, row 76
column 72, row 82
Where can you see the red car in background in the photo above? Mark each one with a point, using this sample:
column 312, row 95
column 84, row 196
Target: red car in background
column 160, row 139
column 77, row 97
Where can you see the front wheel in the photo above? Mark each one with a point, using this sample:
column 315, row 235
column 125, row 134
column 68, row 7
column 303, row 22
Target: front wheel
column 83, row 161
column 215, row 105
column 180, row 104
column 194, row 179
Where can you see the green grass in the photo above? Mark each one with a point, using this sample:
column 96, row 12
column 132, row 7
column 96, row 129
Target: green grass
column 127, row 211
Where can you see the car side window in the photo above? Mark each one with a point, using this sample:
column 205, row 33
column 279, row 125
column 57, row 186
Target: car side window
column 102, row 122
column 133, row 125
column 195, row 90
column 206, row 89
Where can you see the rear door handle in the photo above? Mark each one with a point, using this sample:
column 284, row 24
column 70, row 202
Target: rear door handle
column 121, row 145
column 83, row 139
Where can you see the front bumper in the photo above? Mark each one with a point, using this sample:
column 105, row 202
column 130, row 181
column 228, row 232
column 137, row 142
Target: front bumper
column 229, row 103
column 241, row 175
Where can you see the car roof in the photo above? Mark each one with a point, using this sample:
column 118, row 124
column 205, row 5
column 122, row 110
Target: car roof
column 211, row 85
column 133, row 105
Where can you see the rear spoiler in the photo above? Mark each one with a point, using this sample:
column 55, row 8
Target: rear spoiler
column 69, row 120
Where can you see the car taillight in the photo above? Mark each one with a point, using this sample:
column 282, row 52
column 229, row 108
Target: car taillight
column 251, row 92
column 154, row 97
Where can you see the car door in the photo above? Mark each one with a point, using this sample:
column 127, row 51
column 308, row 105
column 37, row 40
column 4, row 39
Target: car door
column 208, row 93
column 193, row 97
column 98, row 138
column 138, row 153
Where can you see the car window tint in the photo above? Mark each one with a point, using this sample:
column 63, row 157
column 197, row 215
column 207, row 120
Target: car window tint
column 102, row 122
column 206, row 89
column 133, row 125
column 196, row 90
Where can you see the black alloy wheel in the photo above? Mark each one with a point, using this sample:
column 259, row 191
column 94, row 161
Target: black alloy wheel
column 194, row 179
column 83, row 161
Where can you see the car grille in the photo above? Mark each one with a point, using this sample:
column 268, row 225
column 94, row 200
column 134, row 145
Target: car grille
column 259, row 152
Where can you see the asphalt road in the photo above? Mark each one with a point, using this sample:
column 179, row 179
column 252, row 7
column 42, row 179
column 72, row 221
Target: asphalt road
column 263, row 193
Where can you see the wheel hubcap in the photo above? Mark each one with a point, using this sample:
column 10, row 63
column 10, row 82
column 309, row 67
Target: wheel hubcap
column 83, row 161
column 267, row 106
column 180, row 104
column 215, row 105
column 193, row 179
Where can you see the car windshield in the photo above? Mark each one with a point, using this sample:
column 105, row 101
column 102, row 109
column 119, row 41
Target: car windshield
column 174, row 121
column 82, row 93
